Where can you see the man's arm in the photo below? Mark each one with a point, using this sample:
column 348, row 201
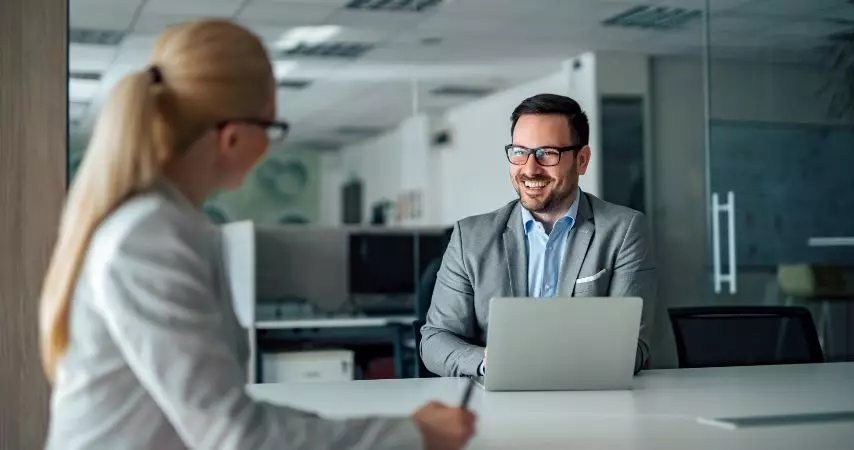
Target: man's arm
column 445, row 338
column 635, row 276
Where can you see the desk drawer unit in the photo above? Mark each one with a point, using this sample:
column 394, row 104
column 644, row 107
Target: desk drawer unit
column 308, row 366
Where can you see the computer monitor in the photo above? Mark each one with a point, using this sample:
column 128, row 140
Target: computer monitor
column 386, row 267
column 382, row 263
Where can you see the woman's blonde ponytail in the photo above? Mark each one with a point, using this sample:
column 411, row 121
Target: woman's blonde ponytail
column 120, row 159
column 200, row 72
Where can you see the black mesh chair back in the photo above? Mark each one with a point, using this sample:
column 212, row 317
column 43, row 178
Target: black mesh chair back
column 721, row 336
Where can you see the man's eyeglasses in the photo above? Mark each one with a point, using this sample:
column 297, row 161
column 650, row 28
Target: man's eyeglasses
column 545, row 156
column 277, row 130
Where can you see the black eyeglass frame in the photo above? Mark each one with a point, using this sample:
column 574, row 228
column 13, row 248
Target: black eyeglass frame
column 529, row 151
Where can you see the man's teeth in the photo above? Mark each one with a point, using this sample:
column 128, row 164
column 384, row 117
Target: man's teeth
column 535, row 184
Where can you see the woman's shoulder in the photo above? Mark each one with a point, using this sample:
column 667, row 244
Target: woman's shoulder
column 144, row 222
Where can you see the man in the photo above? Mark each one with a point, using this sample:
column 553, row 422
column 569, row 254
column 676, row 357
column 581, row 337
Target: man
column 555, row 240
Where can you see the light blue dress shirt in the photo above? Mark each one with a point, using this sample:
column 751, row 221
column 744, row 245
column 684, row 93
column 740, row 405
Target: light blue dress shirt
column 545, row 251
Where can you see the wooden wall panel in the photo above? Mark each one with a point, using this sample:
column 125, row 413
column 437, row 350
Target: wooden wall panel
column 33, row 124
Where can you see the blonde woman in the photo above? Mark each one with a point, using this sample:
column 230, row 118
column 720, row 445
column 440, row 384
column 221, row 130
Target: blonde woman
column 137, row 331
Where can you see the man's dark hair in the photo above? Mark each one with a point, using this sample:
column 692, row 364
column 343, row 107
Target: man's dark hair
column 545, row 104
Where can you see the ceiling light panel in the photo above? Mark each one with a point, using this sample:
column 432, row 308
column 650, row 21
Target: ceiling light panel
column 333, row 50
column 358, row 131
column 310, row 35
column 282, row 68
column 461, row 91
column 293, row 84
column 653, row 17
column 91, row 36
column 84, row 76
column 393, row 5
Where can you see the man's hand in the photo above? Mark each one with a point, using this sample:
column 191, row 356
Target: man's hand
column 484, row 358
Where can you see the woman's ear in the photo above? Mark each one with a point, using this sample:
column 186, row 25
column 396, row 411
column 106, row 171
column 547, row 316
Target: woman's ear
column 228, row 139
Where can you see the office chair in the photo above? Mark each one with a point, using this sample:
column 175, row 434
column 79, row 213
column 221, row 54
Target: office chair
column 427, row 281
column 425, row 288
column 420, row 369
column 722, row 336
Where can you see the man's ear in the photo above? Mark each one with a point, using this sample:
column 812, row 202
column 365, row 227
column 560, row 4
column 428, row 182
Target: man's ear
column 583, row 159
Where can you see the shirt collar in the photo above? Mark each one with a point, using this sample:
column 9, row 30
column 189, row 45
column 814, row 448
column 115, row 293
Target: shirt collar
column 528, row 220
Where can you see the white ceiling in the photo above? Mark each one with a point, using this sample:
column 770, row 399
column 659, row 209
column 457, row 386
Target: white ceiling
column 484, row 43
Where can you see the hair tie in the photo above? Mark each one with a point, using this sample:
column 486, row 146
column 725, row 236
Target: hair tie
column 156, row 75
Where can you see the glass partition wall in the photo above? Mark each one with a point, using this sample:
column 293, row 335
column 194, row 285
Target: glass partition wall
column 779, row 148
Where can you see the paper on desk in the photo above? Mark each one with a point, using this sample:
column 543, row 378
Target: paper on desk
column 771, row 420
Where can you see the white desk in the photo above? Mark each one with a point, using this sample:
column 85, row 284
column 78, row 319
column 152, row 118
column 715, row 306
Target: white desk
column 661, row 412
column 334, row 322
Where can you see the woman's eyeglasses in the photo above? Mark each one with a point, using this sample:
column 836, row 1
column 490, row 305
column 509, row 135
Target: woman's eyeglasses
column 276, row 130
column 545, row 156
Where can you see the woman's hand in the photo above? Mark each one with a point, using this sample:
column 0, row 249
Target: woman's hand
column 444, row 427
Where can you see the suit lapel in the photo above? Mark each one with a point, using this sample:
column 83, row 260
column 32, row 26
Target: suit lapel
column 577, row 244
column 515, row 253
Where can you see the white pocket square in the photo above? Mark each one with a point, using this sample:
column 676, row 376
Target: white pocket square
column 593, row 277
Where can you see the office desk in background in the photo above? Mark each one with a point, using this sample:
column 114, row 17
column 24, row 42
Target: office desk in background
column 662, row 412
column 393, row 329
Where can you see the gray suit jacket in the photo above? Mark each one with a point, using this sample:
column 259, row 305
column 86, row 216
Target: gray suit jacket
column 609, row 253
column 156, row 358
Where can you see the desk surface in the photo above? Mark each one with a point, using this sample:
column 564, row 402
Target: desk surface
column 663, row 411
column 334, row 322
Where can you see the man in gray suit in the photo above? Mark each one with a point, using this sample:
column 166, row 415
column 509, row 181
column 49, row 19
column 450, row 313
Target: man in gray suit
column 555, row 240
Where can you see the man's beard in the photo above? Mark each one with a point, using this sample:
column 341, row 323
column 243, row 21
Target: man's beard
column 555, row 200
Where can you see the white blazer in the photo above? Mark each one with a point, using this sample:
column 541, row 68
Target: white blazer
column 156, row 358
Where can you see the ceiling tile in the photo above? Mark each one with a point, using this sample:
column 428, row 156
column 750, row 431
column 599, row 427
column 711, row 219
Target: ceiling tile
column 82, row 90
column 150, row 23
column 200, row 8
column 102, row 17
column 268, row 33
column 377, row 20
column 844, row 12
column 715, row 5
column 291, row 2
column 811, row 28
column 90, row 58
column 739, row 23
column 478, row 39
column 287, row 13
column 76, row 3
column 788, row 8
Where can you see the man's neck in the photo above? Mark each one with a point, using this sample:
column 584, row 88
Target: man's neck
column 548, row 218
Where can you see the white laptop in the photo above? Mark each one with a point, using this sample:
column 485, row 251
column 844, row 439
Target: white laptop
column 561, row 344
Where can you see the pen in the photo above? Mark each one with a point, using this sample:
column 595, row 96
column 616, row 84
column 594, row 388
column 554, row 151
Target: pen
column 467, row 394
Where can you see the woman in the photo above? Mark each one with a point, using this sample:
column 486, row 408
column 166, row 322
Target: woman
column 137, row 331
